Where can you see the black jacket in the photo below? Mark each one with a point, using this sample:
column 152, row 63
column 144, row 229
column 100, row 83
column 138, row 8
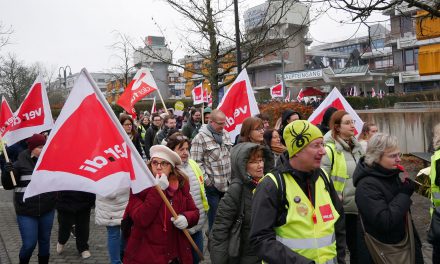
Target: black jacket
column 382, row 206
column 191, row 129
column 75, row 201
column 33, row 206
column 265, row 212
column 228, row 210
column 149, row 138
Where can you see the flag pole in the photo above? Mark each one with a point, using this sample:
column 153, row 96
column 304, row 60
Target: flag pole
column 7, row 160
column 185, row 231
column 136, row 155
column 203, row 116
column 163, row 103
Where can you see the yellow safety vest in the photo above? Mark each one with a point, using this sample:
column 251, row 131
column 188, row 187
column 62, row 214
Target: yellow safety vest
column 435, row 190
column 143, row 131
column 338, row 171
column 199, row 174
column 311, row 237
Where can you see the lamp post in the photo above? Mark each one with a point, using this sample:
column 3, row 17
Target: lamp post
column 237, row 36
column 64, row 71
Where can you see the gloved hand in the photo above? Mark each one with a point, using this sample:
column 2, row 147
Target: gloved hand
column 407, row 187
column 9, row 167
column 162, row 181
column 180, row 222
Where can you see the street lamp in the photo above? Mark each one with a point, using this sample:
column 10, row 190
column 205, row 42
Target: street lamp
column 64, row 71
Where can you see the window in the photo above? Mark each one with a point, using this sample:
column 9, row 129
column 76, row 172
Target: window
column 406, row 25
column 411, row 59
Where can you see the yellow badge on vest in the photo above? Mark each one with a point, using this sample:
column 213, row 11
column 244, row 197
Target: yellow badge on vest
column 302, row 209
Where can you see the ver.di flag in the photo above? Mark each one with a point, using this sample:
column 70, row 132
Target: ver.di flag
column 300, row 96
column 336, row 100
column 198, row 94
column 88, row 150
column 238, row 103
column 32, row 117
column 277, row 90
column 6, row 117
column 142, row 85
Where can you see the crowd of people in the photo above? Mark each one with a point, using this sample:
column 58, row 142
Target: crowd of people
column 291, row 193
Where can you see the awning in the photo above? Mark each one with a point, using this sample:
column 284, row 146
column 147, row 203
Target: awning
column 429, row 59
column 310, row 91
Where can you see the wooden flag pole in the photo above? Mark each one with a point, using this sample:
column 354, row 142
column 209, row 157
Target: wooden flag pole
column 163, row 103
column 185, row 231
column 203, row 115
column 7, row 160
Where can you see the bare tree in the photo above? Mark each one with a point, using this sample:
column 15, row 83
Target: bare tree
column 123, row 53
column 15, row 79
column 5, row 33
column 362, row 9
column 210, row 38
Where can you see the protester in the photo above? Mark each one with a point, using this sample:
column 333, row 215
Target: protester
column 343, row 153
column 155, row 236
column 287, row 117
column 252, row 130
column 130, row 128
column 285, row 226
column 169, row 122
column 368, row 130
column 206, row 115
column 383, row 199
column 73, row 209
column 156, row 123
column 34, row 215
column 108, row 212
column 266, row 120
column 210, row 149
column 325, row 123
column 435, row 184
column 247, row 169
column 180, row 144
column 193, row 125
column 272, row 139
column 142, row 128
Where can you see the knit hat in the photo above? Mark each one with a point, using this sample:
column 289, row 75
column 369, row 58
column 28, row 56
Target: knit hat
column 165, row 153
column 35, row 141
column 299, row 134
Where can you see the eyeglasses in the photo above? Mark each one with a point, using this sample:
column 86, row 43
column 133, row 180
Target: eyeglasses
column 349, row 122
column 394, row 156
column 156, row 120
column 259, row 129
column 163, row 164
column 127, row 125
column 219, row 123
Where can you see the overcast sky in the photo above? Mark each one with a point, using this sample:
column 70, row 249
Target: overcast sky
column 78, row 33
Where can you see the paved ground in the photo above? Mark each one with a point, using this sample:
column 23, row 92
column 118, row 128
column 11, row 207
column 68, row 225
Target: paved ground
column 10, row 241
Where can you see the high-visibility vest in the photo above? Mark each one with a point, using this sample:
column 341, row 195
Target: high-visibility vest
column 338, row 172
column 143, row 131
column 309, row 231
column 199, row 174
column 435, row 190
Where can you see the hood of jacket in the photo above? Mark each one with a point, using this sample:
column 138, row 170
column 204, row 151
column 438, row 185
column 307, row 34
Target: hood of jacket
column 240, row 157
column 363, row 170
column 286, row 114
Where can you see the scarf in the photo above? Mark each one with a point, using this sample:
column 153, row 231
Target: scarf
column 278, row 149
column 218, row 137
column 346, row 144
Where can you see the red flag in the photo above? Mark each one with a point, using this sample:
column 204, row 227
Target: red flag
column 205, row 96
column 33, row 116
column 153, row 107
column 6, row 117
column 238, row 103
column 277, row 90
column 197, row 94
column 336, row 100
column 373, row 92
column 88, row 150
column 300, row 96
column 142, row 85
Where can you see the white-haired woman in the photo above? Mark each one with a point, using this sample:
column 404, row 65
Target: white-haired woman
column 435, row 185
column 383, row 198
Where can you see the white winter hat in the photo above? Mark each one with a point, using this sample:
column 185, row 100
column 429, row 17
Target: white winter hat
column 165, row 153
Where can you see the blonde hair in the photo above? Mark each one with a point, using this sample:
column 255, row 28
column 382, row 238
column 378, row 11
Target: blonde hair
column 436, row 136
column 377, row 145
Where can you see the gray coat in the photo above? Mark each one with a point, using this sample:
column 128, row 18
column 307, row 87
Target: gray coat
column 229, row 209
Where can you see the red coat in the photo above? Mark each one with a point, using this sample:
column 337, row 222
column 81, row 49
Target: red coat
column 154, row 238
